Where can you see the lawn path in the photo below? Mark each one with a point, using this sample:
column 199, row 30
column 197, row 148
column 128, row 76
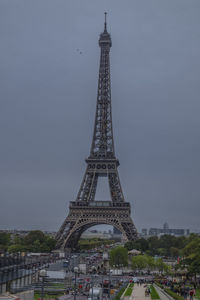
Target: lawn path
column 139, row 292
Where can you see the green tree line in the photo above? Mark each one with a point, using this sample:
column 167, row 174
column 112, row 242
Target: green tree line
column 166, row 245
column 87, row 244
column 119, row 258
column 190, row 259
column 34, row 241
column 185, row 249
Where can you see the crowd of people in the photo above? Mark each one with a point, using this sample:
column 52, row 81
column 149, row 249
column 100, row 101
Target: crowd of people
column 184, row 289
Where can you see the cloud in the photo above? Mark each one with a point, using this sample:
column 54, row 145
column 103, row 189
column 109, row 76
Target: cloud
column 48, row 98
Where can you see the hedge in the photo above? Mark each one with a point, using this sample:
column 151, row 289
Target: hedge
column 159, row 284
column 154, row 294
column 174, row 295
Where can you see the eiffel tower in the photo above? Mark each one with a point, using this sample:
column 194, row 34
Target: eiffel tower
column 85, row 212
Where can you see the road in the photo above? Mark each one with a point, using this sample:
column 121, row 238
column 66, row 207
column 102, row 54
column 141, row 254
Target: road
column 88, row 280
column 58, row 266
column 71, row 297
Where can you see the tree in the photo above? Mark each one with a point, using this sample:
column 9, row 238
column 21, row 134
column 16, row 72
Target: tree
column 36, row 246
column 154, row 244
column 44, row 248
column 181, row 242
column 15, row 248
column 174, row 252
column 35, row 235
column 4, row 238
column 150, row 262
column 191, row 254
column 17, row 240
column 139, row 262
column 129, row 245
column 119, row 256
column 51, row 243
column 140, row 244
column 166, row 245
column 162, row 252
column 161, row 266
column 34, row 241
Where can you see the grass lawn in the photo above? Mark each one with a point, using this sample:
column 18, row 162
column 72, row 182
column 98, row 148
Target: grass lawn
column 197, row 294
column 46, row 296
column 128, row 291
column 38, row 296
column 58, row 285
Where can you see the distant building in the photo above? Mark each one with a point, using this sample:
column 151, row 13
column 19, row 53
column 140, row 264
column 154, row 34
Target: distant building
column 117, row 235
column 116, row 231
column 90, row 234
column 167, row 230
column 144, row 232
column 165, row 226
column 94, row 231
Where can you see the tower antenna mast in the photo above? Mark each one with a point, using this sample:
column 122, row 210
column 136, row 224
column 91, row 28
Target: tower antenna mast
column 105, row 23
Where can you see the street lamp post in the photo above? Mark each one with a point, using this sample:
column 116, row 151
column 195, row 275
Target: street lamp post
column 93, row 269
column 102, row 286
column 43, row 274
column 109, row 285
column 75, row 272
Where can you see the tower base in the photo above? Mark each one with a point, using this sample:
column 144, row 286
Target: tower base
column 83, row 215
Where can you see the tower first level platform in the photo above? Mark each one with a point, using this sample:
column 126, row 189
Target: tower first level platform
column 83, row 215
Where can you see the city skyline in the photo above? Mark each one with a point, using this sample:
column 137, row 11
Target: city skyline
column 49, row 86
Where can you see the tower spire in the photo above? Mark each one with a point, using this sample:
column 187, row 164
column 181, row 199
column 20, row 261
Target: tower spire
column 105, row 23
column 103, row 143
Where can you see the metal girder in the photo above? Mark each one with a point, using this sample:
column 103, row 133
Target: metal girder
column 80, row 219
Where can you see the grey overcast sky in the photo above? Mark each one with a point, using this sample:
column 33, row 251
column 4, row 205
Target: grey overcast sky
column 49, row 58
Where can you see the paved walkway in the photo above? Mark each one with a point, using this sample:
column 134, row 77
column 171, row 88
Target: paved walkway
column 71, row 297
column 139, row 292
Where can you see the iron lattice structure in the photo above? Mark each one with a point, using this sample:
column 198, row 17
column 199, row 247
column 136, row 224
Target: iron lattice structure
column 85, row 211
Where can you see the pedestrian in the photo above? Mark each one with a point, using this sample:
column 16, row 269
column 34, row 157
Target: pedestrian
column 185, row 293
column 191, row 293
